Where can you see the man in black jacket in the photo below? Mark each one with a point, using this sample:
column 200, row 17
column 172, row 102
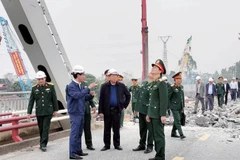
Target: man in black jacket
column 114, row 96
column 227, row 89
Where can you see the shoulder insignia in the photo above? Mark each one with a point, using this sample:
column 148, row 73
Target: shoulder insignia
column 172, row 85
column 35, row 85
column 50, row 83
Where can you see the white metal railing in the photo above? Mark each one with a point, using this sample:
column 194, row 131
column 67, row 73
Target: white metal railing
column 13, row 102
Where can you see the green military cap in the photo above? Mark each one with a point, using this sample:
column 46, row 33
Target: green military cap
column 159, row 63
column 177, row 75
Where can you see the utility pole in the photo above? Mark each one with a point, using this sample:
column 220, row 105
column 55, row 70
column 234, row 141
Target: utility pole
column 144, row 51
column 165, row 59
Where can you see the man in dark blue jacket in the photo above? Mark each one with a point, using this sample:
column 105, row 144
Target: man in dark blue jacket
column 114, row 96
column 76, row 96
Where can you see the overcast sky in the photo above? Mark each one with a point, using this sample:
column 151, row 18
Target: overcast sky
column 100, row 34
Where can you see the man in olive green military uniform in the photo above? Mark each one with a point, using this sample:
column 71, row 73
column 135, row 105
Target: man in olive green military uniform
column 46, row 106
column 176, row 98
column 145, row 128
column 158, row 108
column 87, row 121
column 220, row 91
column 134, row 89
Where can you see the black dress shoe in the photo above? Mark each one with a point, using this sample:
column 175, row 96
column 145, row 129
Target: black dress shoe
column 152, row 158
column 148, row 150
column 75, row 157
column 175, row 136
column 119, row 148
column 139, row 148
column 82, row 154
column 91, row 148
column 182, row 136
column 105, row 148
column 44, row 149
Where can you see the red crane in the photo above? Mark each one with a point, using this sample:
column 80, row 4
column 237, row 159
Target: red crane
column 144, row 41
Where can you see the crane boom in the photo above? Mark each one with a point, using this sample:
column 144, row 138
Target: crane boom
column 15, row 55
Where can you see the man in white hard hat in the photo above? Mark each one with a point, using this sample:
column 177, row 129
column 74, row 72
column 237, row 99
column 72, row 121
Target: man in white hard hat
column 76, row 96
column 200, row 95
column 45, row 97
column 227, row 89
column 114, row 97
column 210, row 93
column 234, row 88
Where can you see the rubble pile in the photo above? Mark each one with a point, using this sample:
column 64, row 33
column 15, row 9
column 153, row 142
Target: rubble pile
column 225, row 117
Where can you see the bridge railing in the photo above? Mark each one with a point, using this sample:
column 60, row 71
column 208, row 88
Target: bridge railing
column 13, row 102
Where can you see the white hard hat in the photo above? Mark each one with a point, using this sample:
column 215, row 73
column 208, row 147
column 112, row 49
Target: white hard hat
column 210, row 79
column 198, row 78
column 78, row 69
column 112, row 71
column 225, row 79
column 164, row 78
column 40, row 74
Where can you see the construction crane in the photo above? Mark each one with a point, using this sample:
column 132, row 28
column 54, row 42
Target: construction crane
column 15, row 55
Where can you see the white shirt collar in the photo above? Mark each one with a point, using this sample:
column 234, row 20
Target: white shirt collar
column 76, row 82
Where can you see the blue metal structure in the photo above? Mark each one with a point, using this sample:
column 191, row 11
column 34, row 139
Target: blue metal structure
column 11, row 45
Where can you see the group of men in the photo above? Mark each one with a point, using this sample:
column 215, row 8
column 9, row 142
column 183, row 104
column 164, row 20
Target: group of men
column 206, row 93
column 149, row 101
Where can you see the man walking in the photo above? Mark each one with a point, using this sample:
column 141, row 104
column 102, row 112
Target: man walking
column 177, row 104
column 77, row 94
column 114, row 96
column 46, row 106
column 220, row 91
column 234, row 88
column 145, row 128
column 210, row 93
column 134, row 89
column 158, row 107
column 226, row 89
column 238, row 82
column 200, row 92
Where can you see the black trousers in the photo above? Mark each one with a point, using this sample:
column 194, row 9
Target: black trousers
column 112, row 121
column 43, row 126
column 87, row 129
column 226, row 98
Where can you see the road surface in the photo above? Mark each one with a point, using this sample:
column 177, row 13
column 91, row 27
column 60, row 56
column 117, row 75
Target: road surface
column 200, row 144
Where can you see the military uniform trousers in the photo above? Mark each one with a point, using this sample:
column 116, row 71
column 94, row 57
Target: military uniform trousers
column 145, row 130
column 177, row 114
column 220, row 100
column 44, row 125
column 159, row 138
column 133, row 109
column 87, row 129
column 76, row 122
column 112, row 121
